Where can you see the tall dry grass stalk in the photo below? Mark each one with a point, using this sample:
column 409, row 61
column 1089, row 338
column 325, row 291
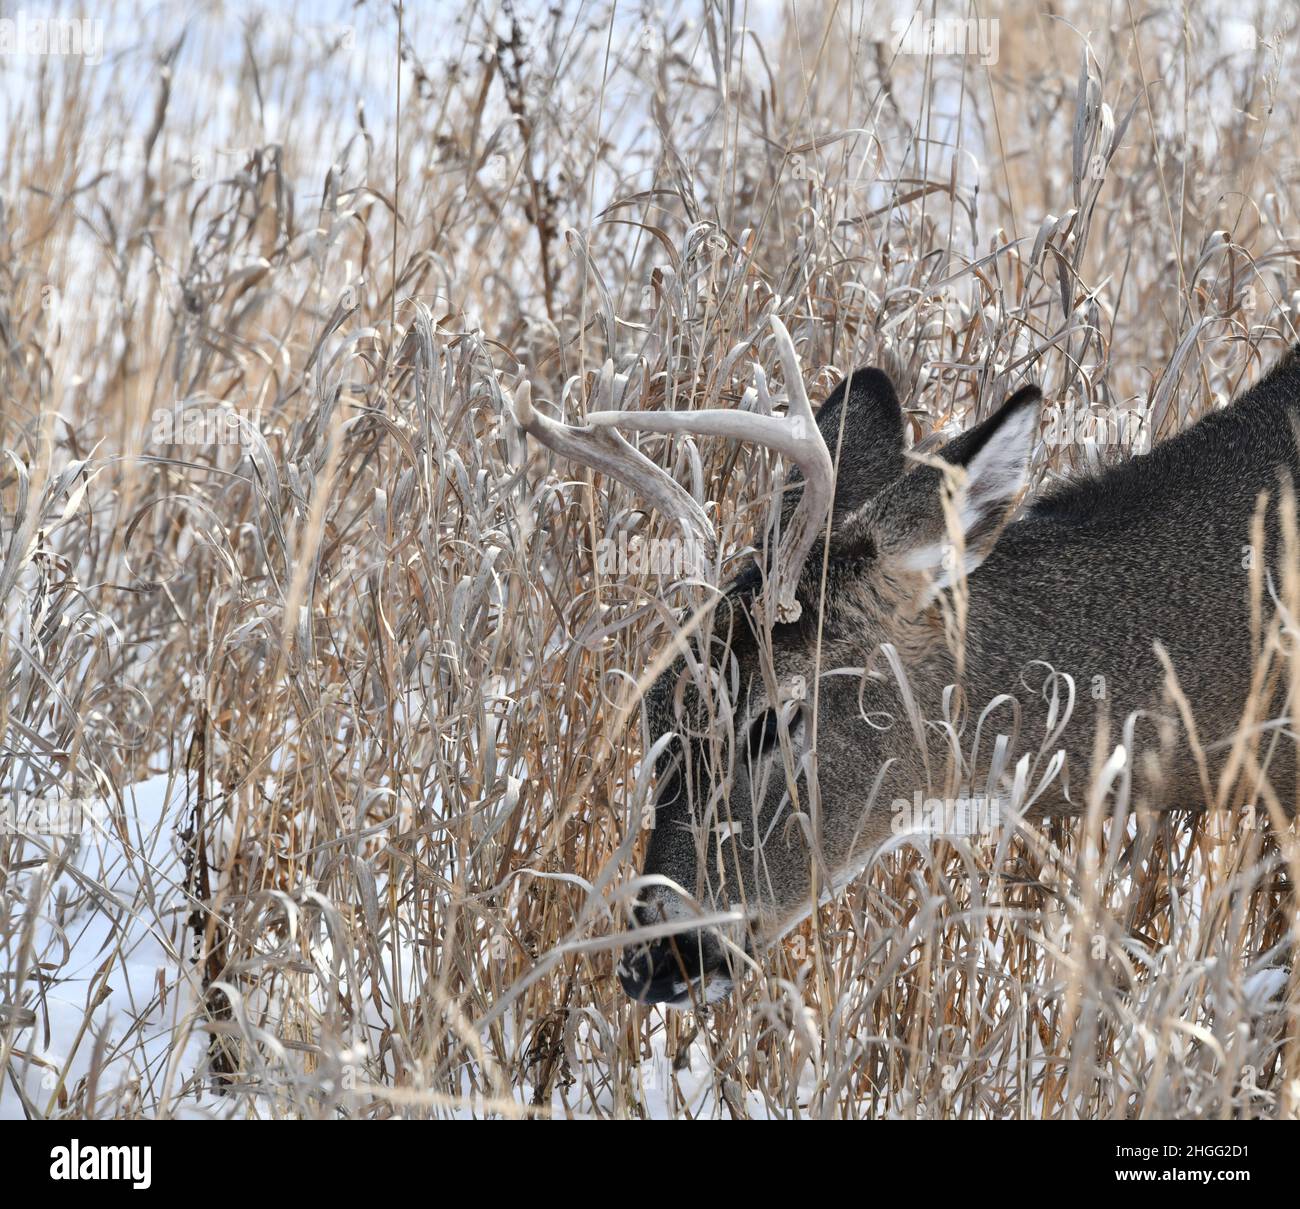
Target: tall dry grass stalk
column 359, row 621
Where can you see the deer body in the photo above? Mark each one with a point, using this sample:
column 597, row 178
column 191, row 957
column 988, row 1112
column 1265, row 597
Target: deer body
column 756, row 814
column 1153, row 550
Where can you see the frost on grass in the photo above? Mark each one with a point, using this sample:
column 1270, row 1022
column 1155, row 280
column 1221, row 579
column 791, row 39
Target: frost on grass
column 352, row 675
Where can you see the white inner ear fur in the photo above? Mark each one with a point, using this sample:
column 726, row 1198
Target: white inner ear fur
column 994, row 476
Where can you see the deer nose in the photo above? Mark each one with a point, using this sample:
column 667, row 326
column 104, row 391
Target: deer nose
column 671, row 969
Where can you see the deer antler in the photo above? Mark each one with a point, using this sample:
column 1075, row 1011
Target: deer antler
column 605, row 450
column 795, row 436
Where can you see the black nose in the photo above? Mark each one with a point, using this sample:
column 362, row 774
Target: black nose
column 663, row 971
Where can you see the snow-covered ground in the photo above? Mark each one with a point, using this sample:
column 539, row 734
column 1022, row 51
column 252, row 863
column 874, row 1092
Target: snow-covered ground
column 101, row 953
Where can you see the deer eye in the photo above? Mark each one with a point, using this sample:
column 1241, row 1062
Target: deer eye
column 762, row 734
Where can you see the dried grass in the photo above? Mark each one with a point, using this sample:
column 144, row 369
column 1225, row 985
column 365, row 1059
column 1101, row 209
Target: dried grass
column 369, row 640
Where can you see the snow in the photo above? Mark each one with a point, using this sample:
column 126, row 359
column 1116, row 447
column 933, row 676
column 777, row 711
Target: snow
column 107, row 914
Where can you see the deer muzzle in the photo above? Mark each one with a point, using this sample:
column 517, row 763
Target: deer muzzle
column 679, row 970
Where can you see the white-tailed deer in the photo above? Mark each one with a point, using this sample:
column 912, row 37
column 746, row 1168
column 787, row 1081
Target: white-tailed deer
column 1076, row 614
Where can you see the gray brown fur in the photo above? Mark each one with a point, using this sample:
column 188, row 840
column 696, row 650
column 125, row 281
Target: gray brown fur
column 1088, row 579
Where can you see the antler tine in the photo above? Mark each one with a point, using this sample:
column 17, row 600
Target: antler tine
column 605, row 450
column 795, row 436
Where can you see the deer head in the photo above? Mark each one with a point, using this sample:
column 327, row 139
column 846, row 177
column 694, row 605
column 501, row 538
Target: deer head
column 782, row 732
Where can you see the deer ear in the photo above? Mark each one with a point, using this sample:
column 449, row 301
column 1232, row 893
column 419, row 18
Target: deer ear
column 995, row 456
column 862, row 425
column 910, row 522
